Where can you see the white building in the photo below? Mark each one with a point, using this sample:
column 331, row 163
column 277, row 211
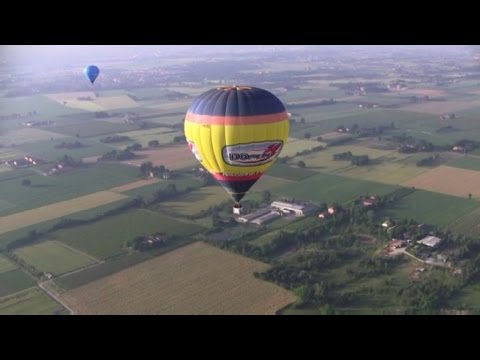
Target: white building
column 249, row 217
column 266, row 218
column 286, row 207
column 431, row 241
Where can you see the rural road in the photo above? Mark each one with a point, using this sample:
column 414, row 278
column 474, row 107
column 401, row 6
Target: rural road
column 54, row 296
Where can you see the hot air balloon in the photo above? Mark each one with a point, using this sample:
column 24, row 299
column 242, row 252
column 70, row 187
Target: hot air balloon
column 91, row 72
column 236, row 133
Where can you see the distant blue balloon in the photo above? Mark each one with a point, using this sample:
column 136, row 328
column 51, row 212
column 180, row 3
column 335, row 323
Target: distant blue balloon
column 91, row 72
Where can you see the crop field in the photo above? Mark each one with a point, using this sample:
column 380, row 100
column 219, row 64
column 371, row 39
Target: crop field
column 102, row 103
column 25, row 135
column 13, row 281
column 148, row 191
column 39, row 103
column 289, row 172
column 448, row 180
column 134, row 185
column 46, row 190
column 468, row 224
column 330, row 188
column 386, row 172
column 115, row 102
column 466, row 162
column 323, row 160
column 56, row 210
column 195, row 201
column 267, row 182
column 163, row 135
column 441, row 107
column 46, row 149
column 173, row 157
column 6, row 265
column 106, row 238
column 296, row 145
column 92, row 128
column 54, row 257
column 31, row 301
column 431, row 208
column 195, row 279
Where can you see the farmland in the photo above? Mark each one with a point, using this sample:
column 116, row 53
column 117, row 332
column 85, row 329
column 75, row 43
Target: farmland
column 28, row 135
column 448, row 180
column 330, row 188
column 6, row 265
column 32, row 301
column 289, row 172
column 468, row 224
column 53, row 257
column 195, row 279
column 195, row 201
column 92, row 128
column 45, row 190
column 106, row 238
column 173, row 157
column 466, row 162
column 163, row 135
column 13, row 281
column 432, row 208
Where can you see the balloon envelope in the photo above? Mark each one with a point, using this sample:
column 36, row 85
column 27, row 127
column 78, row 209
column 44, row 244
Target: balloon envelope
column 236, row 132
column 91, row 72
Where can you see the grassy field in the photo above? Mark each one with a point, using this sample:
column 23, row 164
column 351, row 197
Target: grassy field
column 6, row 265
column 147, row 191
column 107, row 237
column 288, row 172
column 330, row 188
column 195, row 201
column 30, row 302
column 173, row 157
column 163, row 135
column 93, row 128
column 441, row 107
column 323, row 160
column 27, row 135
column 468, row 224
column 448, row 180
column 13, row 281
column 296, row 145
column 466, row 162
column 267, row 182
column 46, row 149
column 195, row 279
column 54, row 257
column 41, row 104
column 46, row 190
column 431, row 208
column 467, row 298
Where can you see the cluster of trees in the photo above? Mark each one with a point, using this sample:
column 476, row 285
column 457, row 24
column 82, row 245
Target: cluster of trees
column 154, row 241
column 73, row 145
column 161, row 171
column 115, row 155
column 355, row 159
column 67, row 160
column 310, row 151
column 153, row 143
column 343, row 156
column 429, row 161
column 115, row 138
column 134, row 147
column 30, row 268
column 180, row 139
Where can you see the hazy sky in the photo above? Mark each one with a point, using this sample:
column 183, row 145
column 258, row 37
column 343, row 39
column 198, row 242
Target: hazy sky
column 54, row 55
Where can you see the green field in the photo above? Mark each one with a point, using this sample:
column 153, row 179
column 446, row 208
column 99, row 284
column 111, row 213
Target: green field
column 431, row 208
column 46, row 149
column 466, row 162
column 163, row 135
column 288, row 172
column 6, row 265
column 467, row 298
column 267, row 182
column 106, row 238
column 41, row 104
column 53, row 257
column 50, row 189
column 92, row 128
column 30, row 302
column 13, row 281
column 147, row 192
column 330, row 188
column 296, row 145
column 195, row 201
column 468, row 224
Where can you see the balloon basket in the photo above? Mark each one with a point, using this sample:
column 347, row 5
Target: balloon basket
column 237, row 209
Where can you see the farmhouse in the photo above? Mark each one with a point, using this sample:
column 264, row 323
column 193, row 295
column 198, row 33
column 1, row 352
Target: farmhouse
column 266, row 218
column 287, row 208
column 431, row 241
column 249, row 217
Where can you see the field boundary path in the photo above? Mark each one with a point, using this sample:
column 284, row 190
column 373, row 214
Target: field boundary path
column 54, row 295
column 78, row 251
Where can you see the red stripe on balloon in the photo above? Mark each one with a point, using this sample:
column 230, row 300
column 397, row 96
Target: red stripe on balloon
column 236, row 120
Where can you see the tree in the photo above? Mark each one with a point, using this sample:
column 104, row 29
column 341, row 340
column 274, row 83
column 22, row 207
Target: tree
column 26, row 182
column 307, row 135
column 301, row 164
column 153, row 143
column 302, row 120
column 146, row 167
column 469, row 196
